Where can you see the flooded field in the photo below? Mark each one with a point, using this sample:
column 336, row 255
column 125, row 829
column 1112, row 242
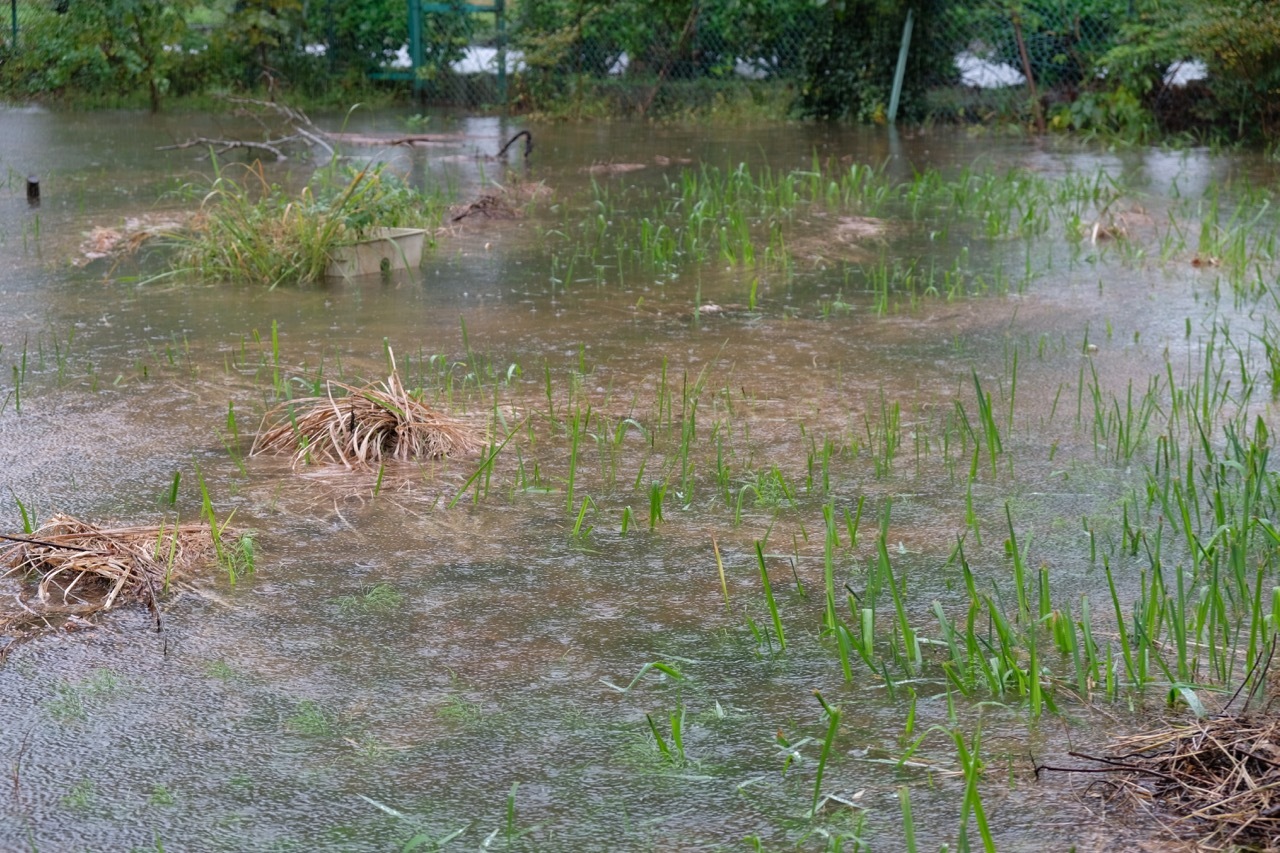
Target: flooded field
column 833, row 481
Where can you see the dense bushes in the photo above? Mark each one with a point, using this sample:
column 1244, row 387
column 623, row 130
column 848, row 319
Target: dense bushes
column 102, row 48
column 1239, row 43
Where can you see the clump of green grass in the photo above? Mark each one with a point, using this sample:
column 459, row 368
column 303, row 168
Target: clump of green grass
column 462, row 712
column 69, row 703
column 255, row 232
column 311, row 719
column 382, row 598
column 80, row 796
column 160, row 796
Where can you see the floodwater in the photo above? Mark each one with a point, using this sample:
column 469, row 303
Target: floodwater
column 403, row 670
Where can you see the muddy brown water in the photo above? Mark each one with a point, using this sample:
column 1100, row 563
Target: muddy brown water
column 396, row 668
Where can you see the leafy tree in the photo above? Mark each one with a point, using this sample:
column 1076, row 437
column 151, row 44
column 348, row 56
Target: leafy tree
column 102, row 47
column 258, row 33
column 361, row 34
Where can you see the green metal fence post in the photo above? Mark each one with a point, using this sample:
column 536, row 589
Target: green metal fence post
column 902, row 68
column 415, row 44
column 13, row 13
column 500, row 24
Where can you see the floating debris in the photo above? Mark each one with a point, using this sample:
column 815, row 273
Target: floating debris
column 1120, row 226
column 846, row 238
column 103, row 242
column 859, row 228
column 363, row 428
column 501, row 202
column 613, row 168
column 490, row 206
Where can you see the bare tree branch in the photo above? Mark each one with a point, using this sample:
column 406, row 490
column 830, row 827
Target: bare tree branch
column 303, row 130
column 228, row 144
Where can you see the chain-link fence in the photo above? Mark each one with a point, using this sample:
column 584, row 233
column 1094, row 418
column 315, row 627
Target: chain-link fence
column 20, row 22
column 1010, row 57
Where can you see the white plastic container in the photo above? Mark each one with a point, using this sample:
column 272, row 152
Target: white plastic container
column 387, row 249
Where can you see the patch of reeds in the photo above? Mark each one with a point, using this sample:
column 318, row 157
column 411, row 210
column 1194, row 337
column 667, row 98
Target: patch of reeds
column 361, row 428
column 80, row 568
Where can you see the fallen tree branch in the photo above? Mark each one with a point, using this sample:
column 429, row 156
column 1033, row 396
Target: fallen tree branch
column 301, row 129
column 228, row 144
column 409, row 139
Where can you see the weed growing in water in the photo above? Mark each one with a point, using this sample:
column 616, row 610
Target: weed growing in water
column 81, row 796
column 462, row 712
column 220, row 670
column 672, row 751
column 380, row 599
column 311, row 719
column 69, row 703
column 160, row 796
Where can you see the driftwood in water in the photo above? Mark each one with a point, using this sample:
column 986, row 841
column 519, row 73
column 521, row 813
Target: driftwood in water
column 490, row 206
column 410, row 139
column 413, row 139
column 528, row 144
column 298, row 130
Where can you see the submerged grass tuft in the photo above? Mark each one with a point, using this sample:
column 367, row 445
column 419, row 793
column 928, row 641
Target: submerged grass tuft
column 382, row 598
column 363, row 428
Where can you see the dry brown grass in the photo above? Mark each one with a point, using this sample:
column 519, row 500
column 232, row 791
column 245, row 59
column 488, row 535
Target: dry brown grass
column 78, row 569
column 1217, row 777
column 363, row 427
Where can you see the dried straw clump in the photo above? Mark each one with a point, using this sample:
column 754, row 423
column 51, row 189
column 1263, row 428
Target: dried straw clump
column 83, row 569
column 363, row 428
column 1220, row 777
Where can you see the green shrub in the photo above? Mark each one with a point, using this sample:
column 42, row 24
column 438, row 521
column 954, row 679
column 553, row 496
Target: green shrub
column 1239, row 42
column 850, row 64
column 255, row 232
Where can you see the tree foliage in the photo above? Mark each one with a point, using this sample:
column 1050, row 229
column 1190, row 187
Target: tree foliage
column 104, row 47
column 1237, row 40
column 1100, row 64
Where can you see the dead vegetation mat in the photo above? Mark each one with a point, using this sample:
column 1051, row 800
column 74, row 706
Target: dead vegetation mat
column 74, row 569
column 1218, row 778
column 363, row 427
column 501, row 202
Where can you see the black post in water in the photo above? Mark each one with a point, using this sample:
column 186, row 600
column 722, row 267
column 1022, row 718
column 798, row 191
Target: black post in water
column 33, row 189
